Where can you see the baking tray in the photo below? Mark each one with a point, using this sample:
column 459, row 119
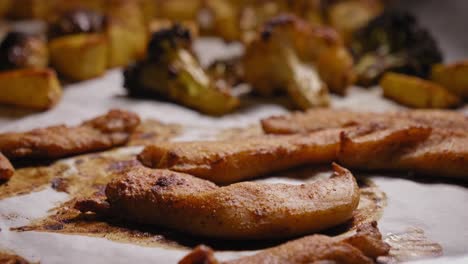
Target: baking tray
column 425, row 208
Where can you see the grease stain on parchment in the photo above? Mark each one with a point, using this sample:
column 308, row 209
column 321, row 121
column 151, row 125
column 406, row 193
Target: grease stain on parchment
column 94, row 172
column 410, row 245
column 33, row 179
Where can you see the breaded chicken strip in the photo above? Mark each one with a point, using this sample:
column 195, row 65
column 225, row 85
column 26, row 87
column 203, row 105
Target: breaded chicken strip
column 360, row 248
column 6, row 169
column 236, row 160
column 443, row 153
column 245, row 210
column 100, row 133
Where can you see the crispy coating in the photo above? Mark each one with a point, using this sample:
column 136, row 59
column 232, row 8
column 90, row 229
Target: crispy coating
column 6, row 169
column 444, row 152
column 244, row 210
column 364, row 246
column 235, row 160
column 100, row 133
column 240, row 159
column 320, row 119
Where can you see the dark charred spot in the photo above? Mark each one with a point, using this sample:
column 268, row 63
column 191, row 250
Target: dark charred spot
column 166, row 39
column 54, row 226
column 167, row 181
column 78, row 21
column 278, row 21
column 60, row 184
column 173, row 72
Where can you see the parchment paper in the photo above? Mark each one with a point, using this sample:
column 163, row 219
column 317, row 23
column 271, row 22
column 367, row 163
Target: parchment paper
column 436, row 207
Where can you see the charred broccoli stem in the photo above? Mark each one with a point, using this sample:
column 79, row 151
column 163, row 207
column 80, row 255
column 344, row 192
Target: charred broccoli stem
column 394, row 42
column 172, row 72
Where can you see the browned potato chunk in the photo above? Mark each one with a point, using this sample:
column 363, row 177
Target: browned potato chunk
column 4, row 7
column 30, row 88
column 415, row 92
column 79, row 56
column 127, row 32
column 454, row 77
column 179, row 10
column 38, row 9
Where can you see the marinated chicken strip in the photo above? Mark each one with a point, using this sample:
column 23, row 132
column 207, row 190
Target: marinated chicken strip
column 316, row 120
column 103, row 132
column 310, row 249
column 443, row 153
column 245, row 210
column 236, row 160
column 6, row 169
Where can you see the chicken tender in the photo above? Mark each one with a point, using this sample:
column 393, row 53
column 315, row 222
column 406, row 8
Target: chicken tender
column 443, row 152
column 245, row 210
column 100, row 133
column 236, row 160
column 320, row 119
column 231, row 161
column 6, row 169
column 364, row 246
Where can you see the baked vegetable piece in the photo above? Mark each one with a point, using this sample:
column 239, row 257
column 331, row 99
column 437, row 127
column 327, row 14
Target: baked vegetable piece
column 172, row 72
column 37, row 89
column 126, row 32
column 6, row 169
column 4, row 7
column 454, row 77
column 78, row 46
column 245, row 210
column 394, row 41
column 31, row 9
column 100, row 133
column 288, row 54
column 348, row 16
column 363, row 246
column 24, row 80
column 415, row 92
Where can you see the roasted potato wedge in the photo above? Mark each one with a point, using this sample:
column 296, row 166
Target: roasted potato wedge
column 416, row 92
column 349, row 16
column 454, row 77
column 4, row 7
column 31, row 9
column 126, row 32
column 80, row 56
column 69, row 5
column 179, row 10
column 30, row 88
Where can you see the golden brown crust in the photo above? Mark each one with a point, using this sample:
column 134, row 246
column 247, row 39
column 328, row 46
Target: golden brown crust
column 103, row 132
column 240, row 211
column 362, row 247
column 235, row 160
column 319, row 119
column 6, row 169
column 10, row 258
column 443, row 152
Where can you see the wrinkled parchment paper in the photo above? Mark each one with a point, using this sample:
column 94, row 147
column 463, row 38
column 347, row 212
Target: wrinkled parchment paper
column 438, row 208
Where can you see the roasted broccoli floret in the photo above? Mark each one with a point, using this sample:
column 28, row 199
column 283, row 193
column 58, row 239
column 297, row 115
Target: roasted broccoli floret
column 20, row 50
column 394, row 42
column 291, row 55
column 172, row 72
